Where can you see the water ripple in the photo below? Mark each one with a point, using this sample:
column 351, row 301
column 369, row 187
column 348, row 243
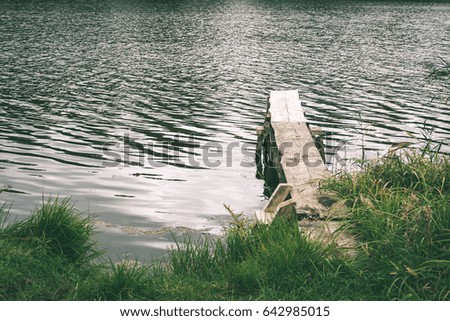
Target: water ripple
column 152, row 84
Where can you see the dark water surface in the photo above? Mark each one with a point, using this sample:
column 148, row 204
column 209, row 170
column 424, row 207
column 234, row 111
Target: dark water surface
column 161, row 83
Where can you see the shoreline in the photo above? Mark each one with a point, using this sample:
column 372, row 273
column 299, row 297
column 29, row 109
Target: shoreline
column 397, row 207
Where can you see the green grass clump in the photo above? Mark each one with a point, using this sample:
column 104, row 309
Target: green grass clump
column 440, row 74
column 42, row 256
column 56, row 227
column 51, row 255
column 400, row 214
column 258, row 262
column 126, row 280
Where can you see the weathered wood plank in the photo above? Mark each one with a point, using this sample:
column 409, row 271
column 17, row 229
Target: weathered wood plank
column 285, row 106
column 286, row 208
column 300, row 160
column 278, row 196
column 275, row 203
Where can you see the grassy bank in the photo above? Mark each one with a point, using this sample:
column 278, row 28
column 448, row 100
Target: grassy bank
column 398, row 209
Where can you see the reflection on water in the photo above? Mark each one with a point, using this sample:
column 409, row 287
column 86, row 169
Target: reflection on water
column 169, row 81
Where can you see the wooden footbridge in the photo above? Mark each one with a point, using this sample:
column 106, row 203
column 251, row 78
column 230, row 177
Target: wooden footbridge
column 293, row 149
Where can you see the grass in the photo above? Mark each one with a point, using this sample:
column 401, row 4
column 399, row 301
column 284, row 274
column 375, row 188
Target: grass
column 42, row 256
column 56, row 228
column 440, row 74
column 399, row 211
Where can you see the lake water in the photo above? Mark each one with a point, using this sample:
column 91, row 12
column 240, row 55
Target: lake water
column 144, row 112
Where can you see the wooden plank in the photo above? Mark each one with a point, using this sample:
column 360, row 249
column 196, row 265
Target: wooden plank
column 278, row 196
column 315, row 130
column 259, row 130
column 285, row 106
column 287, row 208
column 295, row 141
column 276, row 203
column 302, row 164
